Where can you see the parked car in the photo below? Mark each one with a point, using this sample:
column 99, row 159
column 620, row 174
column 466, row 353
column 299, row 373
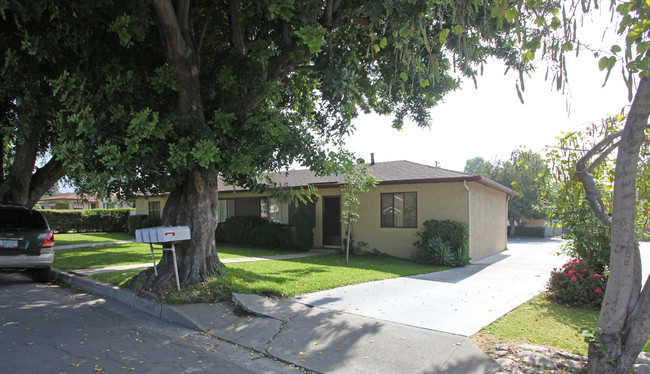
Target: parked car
column 26, row 241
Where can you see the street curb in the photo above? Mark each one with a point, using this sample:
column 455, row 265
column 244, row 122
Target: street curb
column 159, row 310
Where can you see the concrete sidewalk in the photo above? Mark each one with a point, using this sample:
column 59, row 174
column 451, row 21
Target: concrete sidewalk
column 313, row 338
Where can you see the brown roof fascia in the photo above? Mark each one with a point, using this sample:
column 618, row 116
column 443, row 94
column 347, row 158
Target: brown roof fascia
column 472, row 178
column 498, row 187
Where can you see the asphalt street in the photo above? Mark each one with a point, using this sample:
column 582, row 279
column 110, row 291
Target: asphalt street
column 48, row 328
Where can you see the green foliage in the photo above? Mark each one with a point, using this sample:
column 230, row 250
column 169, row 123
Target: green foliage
column 587, row 237
column 254, row 231
column 272, row 235
column 564, row 197
column 357, row 180
column 304, row 230
column 135, row 222
column 577, row 283
column 439, row 252
column 444, row 243
column 473, row 164
column 519, row 173
column 531, row 232
column 150, row 222
column 108, row 220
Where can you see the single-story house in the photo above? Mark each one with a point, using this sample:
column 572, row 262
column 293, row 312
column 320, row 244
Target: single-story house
column 68, row 201
column 390, row 215
column 74, row 201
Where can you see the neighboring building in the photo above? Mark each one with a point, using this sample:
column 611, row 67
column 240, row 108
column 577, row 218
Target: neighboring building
column 74, row 201
column 390, row 214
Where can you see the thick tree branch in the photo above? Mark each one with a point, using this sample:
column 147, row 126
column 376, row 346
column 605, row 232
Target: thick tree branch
column 43, row 179
column 203, row 31
column 583, row 174
column 602, row 157
column 183, row 16
column 175, row 33
column 169, row 27
column 20, row 174
column 235, row 28
column 332, row 16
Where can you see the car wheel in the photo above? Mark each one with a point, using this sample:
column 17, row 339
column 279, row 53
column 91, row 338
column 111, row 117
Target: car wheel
column 41, row 275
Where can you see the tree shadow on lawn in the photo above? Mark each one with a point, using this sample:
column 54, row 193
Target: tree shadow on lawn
column 386, row 264
column 292, row 277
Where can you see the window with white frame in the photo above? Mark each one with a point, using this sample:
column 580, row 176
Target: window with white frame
column 399, row 209
column 226, row 209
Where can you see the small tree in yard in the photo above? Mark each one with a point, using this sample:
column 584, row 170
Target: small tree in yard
column 358, row 180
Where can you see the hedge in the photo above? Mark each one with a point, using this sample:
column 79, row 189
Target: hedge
column 443, row 243
column 531, row 232
column 142, row 221
column 304, row 230
column 104, row 220
column 255, row 231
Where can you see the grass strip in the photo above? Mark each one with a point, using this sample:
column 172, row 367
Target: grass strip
column 90, row 237
column 545, row 323
column 227, row 251
column 109, row 255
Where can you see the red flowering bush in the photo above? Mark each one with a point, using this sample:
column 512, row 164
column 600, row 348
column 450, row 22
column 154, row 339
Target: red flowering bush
column 577, row 283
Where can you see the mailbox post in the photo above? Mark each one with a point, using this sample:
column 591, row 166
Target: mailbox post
column 164, row 235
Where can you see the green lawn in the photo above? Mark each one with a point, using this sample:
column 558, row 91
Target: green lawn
column 289, row 277
column 226, row 251
column 91, row 237
column 543, row 322
column 107, row 255
column 133, row 253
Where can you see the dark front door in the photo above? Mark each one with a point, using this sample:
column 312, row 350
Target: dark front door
column 332, row 220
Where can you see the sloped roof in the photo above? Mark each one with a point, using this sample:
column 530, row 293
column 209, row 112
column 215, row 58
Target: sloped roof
column 391, row 172
column 69, row 196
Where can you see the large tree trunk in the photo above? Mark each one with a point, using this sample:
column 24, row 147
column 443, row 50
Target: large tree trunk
column 192, row 204
column 624, row 322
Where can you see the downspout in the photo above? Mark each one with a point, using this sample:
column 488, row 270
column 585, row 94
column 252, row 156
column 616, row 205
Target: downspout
column 507, row 220
column 469, row 214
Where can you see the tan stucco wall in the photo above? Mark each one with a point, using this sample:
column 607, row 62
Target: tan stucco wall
column 489, row 216
column 142, row 204
column 435, row 201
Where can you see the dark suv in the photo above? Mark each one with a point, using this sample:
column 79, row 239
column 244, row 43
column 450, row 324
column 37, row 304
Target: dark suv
column 26, row 241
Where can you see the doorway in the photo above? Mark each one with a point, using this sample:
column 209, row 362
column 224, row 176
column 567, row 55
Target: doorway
column 332, row 220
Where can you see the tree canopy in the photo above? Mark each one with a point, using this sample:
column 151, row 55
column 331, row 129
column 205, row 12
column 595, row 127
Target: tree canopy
column 165, row 96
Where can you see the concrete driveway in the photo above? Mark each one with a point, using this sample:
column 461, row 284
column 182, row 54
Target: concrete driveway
column 458, row 301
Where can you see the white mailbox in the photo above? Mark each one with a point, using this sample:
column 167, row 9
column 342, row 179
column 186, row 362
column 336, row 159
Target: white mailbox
column 163, row 235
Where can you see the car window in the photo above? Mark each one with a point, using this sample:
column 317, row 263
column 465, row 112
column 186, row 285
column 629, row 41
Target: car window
column 22, row 218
